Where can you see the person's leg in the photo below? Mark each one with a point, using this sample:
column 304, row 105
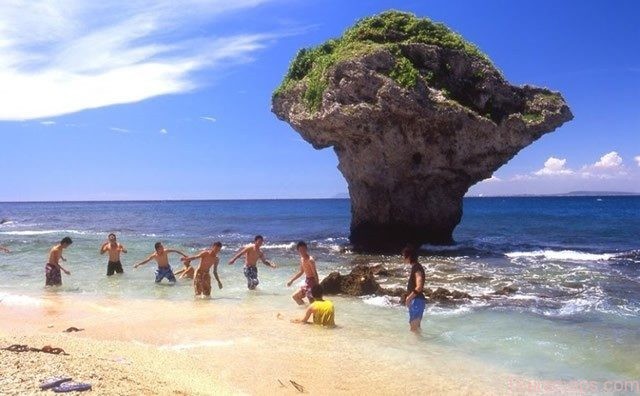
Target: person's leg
column 416, row 310
column 159, row 275
column 297, row 296
column 254, row 275
column 118, row 267
column 247, row 275
column 206, row 285
column 110, row 268
column 170, row 276
column 196, row 285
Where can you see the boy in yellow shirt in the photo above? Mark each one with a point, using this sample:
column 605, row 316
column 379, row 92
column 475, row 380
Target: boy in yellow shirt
column 322, row 310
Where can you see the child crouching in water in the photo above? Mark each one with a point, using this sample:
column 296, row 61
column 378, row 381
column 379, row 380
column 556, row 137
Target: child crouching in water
column 322, row 310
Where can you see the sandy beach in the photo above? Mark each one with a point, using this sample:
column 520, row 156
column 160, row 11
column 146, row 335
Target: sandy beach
column 201, row 348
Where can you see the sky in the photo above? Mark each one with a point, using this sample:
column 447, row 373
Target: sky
column 157, row 99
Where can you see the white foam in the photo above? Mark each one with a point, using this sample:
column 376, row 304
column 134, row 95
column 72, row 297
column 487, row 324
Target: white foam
column 19, row 300
column 382, row 301
column 280, row 246
column 564, row 255
column 42, row 232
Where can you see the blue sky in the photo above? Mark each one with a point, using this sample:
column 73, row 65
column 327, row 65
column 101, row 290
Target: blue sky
column 151, row 100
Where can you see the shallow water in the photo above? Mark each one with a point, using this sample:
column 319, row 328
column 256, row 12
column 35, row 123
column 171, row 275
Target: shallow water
column 575, row 316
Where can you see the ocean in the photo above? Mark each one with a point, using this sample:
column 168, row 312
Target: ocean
column 574, row 260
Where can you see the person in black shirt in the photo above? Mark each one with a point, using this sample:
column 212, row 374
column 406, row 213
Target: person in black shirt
column 415, row 298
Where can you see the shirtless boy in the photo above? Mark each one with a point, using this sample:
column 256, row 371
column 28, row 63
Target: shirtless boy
column 308, row 268
column 161, row 256
column 251, row 255
column 202, row 278
column 4, row 249
column 114, row 248
column 52, row 269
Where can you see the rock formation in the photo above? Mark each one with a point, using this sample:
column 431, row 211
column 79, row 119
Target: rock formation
column 416, row 116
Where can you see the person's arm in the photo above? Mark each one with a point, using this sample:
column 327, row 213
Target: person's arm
column 265, row 261
column 191, row 258
column 296, row 276
column 123, row 249
column 63, row 269
column 307, row 315
column 175, row 251
column 103, row 248
column 144, row 261
column 417, row 290
column 215, row 274
column 237, row 256
column 315, row 270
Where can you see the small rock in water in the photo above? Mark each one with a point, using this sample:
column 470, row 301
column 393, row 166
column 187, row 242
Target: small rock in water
column 506, row 291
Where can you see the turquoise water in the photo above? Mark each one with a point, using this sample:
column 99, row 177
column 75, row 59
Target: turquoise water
column 574, row 261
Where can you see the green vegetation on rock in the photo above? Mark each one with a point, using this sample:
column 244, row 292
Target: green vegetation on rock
column 383, row 31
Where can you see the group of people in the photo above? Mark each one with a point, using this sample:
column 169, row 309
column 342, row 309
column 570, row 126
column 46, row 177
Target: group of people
column 321, row 310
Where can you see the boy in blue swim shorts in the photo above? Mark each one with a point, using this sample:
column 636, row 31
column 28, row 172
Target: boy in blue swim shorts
column 416, row 300
column 252, row 254
column 161, row 256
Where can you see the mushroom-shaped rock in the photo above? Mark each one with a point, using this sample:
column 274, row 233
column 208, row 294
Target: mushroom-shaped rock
column 416, row 116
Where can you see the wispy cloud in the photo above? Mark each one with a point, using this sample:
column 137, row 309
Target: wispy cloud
column 63, row 56
column 121, row 130
column 163, row 131
column 637, row 159
column 207, row 118
column 47, row 123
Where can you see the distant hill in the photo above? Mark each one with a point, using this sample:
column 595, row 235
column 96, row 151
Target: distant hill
column 572, row 194
column 341, row 196
column 596, row 193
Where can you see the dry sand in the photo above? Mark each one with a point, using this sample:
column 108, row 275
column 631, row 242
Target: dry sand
column 202, row 348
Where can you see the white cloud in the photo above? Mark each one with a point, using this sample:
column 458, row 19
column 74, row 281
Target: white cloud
column 637, row 159
column 554, row 167
column 63, row 56
column 47, row 123
column 609, row 161
column 492, row 179
column 206, row 118
column 608, row 166
column 163, row 131
column 122, row 130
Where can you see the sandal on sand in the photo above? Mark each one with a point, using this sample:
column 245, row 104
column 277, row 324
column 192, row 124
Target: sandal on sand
column 72, row 387
column 53, row 382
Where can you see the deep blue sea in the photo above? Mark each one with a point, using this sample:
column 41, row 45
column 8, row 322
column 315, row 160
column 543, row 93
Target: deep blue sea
column 574, row 260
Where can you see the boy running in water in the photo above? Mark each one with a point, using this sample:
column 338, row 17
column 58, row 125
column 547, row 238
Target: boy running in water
column 202, row 279
column 52, row 269
column 161, row 256
column 308, row 268
column 114, row 248
column 251, row 255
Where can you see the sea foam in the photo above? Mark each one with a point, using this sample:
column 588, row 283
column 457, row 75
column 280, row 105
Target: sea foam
column 562, row 255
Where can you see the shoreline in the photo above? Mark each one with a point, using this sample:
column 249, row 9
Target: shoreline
column 213, row 347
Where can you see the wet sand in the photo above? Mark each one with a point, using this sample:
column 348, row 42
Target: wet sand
column 216, row 347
